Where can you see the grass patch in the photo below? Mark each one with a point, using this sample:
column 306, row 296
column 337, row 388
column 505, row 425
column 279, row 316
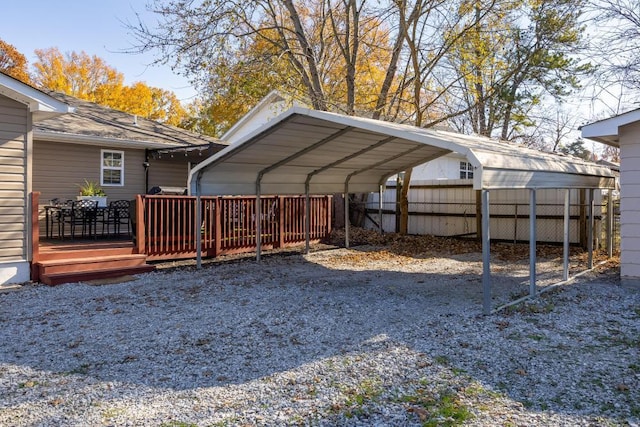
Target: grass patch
column 445, row 409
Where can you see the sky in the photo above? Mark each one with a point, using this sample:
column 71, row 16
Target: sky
column 93, row 26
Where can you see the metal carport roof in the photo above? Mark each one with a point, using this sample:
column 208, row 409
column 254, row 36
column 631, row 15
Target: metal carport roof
column 328, row 150
column 305, row 151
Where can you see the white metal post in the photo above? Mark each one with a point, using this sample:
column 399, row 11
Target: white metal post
column 610, row 223
column 307, row 217
column 380, row 192
column 566, row 237
column 346, row 214
column 258, row 222
column 486, row 255
column 532, row 242
column 590, row 230
column 198, row 231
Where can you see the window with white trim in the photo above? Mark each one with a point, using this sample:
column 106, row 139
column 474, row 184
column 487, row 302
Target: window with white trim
column 112, row 168
column 466, row 170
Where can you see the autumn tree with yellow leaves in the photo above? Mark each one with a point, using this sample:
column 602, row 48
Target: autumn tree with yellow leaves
column 90, row 78
column 13, row 63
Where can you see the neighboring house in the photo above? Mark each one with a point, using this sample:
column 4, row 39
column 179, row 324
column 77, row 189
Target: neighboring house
column 269, row 107
column 623, row 131
column 20, row 107
column 51, row 143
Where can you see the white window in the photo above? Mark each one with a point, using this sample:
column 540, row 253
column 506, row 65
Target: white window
column 112, row 168
column 466, row 170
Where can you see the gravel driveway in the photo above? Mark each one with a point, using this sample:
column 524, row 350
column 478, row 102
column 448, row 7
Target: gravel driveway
column 337, row 337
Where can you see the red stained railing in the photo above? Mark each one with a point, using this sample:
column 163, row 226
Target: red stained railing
column 166, row 225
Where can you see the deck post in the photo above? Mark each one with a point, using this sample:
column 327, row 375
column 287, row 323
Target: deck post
column 486, row 255
column 533, row 236
column 346, row 213
column 141, row 235
column 380, row 193
column 590, row 226
column 258, row 222
column 610, row 223
column 566, row 237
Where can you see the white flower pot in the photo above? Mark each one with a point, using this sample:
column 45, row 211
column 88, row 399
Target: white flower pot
column 102, row 200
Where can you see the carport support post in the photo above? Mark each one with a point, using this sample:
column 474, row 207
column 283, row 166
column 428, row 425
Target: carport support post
column 486, row 255
column 533, row 236
column 590, row 231
column 258, row 222
column 198, row 231
column 307, row 217
column 610, row 216
column 346, row 214
column 380, row 192
column 567, row 219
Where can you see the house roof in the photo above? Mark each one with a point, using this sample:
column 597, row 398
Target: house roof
column 607, row 131
column 327, row 150
column 92, row 123
column 42, row 105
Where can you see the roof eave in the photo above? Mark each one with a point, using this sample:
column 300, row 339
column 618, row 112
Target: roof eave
column 99, row 140
column 40, row 104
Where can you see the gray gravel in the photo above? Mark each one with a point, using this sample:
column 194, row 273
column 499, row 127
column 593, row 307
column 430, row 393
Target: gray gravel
column 339, row 337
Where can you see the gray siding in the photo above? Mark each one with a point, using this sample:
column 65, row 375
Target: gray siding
column 14, row 135
column 58, row 170
column 171, row 173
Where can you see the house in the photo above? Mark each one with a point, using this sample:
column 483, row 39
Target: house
column 51, row 143
column 20, row 107
column 623, row 131
column 125, row 154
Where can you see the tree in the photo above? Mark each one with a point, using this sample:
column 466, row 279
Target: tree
column 517, row 53
column 619, row 50
column 90, row 78
column 577, row 148
column 393, row 60
column 13, row 63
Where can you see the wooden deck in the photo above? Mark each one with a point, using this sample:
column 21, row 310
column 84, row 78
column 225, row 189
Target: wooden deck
column 64, row 261
column 166, row 228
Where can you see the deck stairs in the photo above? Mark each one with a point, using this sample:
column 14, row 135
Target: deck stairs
column 84, row 262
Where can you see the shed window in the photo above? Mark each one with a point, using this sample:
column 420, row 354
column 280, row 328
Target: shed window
column 112, row 168
column 466, row 170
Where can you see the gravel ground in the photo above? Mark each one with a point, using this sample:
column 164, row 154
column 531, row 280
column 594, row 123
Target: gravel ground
column 338, row 337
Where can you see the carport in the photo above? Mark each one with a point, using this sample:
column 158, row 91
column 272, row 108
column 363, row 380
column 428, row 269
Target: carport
column 307, row 152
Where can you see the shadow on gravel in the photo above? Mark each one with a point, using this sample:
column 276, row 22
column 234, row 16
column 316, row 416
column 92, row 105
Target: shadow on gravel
column 231, row 323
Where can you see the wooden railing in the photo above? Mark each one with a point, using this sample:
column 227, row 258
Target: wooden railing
column 166, row 227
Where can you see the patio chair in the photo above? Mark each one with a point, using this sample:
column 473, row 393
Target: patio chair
column 82, row 213
column 118, row 213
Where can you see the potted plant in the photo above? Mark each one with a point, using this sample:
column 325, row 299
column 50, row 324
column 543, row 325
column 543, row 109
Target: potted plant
column 91, row 190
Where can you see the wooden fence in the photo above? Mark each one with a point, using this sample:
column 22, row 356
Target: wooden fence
column 165, row 226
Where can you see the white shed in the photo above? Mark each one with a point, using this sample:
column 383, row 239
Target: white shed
column 623, row 131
